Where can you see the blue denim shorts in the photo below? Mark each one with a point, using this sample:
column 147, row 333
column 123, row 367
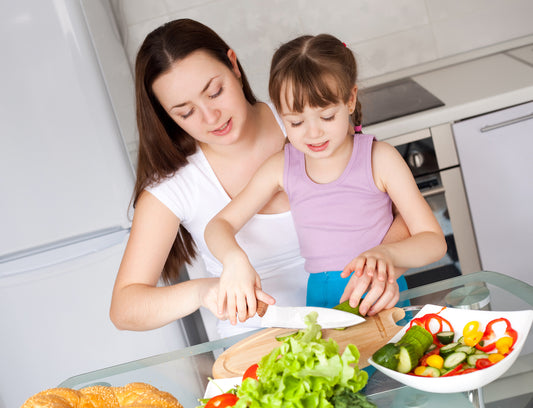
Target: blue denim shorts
column 325, row 289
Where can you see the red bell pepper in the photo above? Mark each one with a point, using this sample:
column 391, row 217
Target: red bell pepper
column 455, row 371
column 490, row 335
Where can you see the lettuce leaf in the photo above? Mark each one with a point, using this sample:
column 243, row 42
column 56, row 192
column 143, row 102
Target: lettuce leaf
column 305, row 371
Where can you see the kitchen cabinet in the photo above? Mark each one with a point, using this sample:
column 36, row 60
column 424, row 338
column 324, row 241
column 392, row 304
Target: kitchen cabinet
column 494, row 151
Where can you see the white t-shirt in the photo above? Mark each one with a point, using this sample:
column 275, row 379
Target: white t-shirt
column 195, row 195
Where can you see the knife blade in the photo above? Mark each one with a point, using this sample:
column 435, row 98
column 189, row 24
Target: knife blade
column 292, row 317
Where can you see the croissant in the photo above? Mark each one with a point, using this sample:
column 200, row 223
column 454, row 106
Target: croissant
column 135, row 394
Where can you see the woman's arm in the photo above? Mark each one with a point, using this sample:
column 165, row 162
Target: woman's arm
column 239, row 280
column 137, row 302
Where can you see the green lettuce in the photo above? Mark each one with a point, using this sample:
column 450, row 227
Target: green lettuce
column 305, row 371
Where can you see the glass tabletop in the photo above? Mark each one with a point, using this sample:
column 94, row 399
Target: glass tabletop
column 185, row 373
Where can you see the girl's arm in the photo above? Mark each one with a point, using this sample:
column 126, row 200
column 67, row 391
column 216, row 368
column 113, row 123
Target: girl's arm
column 137, row 303
column 239, row 280
column 425, row 245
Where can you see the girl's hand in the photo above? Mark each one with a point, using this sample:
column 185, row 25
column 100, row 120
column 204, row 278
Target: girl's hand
column 380, row 294
column 239, row 290
column 377, row 260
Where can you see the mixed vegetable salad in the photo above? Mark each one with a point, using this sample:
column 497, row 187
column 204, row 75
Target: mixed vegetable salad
column 304, row 371
column 432, row 348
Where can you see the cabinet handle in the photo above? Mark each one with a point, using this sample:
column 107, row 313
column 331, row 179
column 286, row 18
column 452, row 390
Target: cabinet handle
column 506, row 123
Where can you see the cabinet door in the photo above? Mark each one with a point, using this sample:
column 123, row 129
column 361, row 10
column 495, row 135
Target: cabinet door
column 495, row 155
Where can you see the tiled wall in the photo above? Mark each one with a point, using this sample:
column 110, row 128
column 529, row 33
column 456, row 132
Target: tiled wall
column 386, row 35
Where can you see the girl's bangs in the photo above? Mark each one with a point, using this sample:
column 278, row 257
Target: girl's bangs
column 311, row 90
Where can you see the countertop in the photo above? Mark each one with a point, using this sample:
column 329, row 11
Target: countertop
column 468, row 88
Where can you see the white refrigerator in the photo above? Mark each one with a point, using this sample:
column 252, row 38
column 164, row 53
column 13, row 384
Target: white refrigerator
column 65, row 185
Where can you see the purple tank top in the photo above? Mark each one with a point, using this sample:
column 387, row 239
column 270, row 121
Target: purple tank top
column 337, row 221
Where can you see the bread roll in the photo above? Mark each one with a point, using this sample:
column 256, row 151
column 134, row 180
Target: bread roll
column 133, row 395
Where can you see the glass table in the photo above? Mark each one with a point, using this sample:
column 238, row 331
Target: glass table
column 186, row 372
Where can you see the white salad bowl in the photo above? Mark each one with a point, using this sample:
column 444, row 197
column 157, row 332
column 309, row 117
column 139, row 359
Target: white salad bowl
column 520, row 321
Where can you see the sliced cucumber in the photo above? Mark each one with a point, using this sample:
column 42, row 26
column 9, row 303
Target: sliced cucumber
column 471, row 360
column 407, row 358
column 448, row 349
column 420, row 333
column 416, row 343
column 419, row 337
column 454, row 359
column 387, row 356
column 431, row 347
column 466, row 349
column 430, row 372
column 445, row 337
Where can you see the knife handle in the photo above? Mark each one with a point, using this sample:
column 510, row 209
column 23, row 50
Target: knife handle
column 261, row 308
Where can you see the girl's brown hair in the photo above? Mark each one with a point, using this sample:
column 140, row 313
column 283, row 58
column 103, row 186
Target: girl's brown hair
column 310, row 65
column 163, row 145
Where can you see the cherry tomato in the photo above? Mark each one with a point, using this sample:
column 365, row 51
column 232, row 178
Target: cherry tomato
column 483, row 363
column 222, row 401
column 251, row 372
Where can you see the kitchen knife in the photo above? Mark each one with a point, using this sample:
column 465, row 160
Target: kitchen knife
column 293, row 317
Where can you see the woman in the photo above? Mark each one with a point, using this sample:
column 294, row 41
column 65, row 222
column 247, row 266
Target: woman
column 202, row 137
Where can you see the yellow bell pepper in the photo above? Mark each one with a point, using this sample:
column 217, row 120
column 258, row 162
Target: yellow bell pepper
column 495, row 357
column 503, row 344
column 471, row 327
column 419, row 370
column 435, row 361
column 472, row 338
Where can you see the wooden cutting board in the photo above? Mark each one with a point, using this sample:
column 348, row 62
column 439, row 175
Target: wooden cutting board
column 368, row 337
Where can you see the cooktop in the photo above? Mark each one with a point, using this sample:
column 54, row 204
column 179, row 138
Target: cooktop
column 395, row 99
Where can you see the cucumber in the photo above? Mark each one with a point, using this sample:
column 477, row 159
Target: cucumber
column 471, row 360
column 430, row 372
column 422, row 334
column 387, row 356
column 407, row 358
column 445, row 337
column 466, row 349
column 431, row 347
column 416, row 343
column 454, row 359
column 448, row 349
column 418, row 337
column 345, row 307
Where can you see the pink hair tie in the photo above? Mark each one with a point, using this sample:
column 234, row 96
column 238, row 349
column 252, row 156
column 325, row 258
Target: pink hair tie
column 358, row 128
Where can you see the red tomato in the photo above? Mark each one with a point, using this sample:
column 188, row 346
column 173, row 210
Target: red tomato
column 222, row 401
column 251, row 372
column 483, row 363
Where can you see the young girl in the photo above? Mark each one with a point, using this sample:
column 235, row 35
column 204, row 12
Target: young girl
column 339, row 185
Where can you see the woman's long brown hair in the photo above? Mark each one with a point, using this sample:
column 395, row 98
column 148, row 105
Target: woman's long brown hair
column 163, row 145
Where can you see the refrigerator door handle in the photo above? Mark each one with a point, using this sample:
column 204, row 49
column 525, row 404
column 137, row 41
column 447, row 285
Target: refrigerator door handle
column 61, row 251
column 488, row 128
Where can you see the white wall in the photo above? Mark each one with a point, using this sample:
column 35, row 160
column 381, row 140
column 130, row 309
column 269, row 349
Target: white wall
column 386, row 35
